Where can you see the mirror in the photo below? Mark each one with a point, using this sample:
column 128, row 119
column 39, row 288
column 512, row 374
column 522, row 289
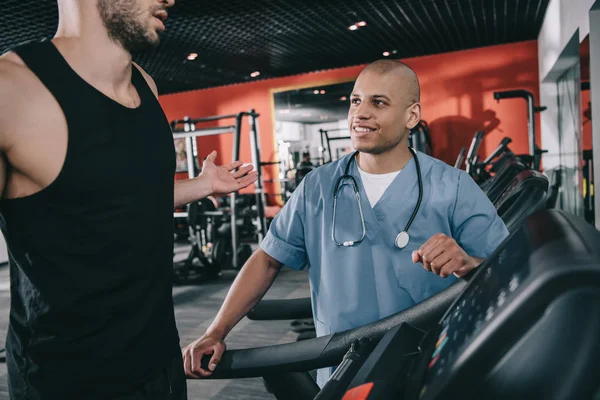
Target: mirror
column 586, row 130
column 311, row 129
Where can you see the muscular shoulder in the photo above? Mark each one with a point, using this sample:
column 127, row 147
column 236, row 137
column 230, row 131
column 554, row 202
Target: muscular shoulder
column 15, row 84
column 12, row 72
column 148, row 79
column 25, row 101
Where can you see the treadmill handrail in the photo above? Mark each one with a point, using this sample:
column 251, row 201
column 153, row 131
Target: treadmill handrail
column 328, row 351
column 268, row 310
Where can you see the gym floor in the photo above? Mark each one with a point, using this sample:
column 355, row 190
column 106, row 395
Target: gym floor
column 196, row 305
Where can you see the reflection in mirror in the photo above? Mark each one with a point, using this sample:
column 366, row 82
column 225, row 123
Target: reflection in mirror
column 586, row 129
column 311, row 129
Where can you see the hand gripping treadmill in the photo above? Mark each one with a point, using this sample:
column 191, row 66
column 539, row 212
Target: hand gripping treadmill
column 525, row 325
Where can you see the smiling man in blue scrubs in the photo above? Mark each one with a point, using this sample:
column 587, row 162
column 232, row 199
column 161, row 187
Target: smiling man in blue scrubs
column 359, row 271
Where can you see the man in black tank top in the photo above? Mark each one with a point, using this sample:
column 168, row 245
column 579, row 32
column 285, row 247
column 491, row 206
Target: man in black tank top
column 88, row 194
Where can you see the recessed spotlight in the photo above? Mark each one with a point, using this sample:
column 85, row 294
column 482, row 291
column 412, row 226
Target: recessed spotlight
column 361, row 23
column 192, row 56
column 255, row 74
column 343, row 98
column 353, row 27
column 316, row 91
column 386, row 53
column 322, row 92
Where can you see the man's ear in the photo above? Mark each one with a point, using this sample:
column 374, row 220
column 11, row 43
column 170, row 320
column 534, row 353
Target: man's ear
column 413, row 115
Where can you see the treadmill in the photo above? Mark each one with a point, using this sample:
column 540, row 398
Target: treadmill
column 524, row 325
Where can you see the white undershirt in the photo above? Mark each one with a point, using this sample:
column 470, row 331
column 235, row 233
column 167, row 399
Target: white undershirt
column 376, row 184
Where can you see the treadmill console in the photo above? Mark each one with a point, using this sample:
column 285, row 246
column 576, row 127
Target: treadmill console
column 491, row 290
column 525, row 327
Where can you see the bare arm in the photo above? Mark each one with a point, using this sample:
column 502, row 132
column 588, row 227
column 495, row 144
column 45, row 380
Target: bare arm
column 251, row 284
column 4, row 118
column 189, row 190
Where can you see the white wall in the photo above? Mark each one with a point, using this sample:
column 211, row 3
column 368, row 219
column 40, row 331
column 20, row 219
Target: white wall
column 563, row 19
column 289, row 131
column 566, row 24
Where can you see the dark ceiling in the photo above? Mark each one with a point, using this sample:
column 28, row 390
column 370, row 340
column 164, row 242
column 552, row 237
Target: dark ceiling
column 284, row 37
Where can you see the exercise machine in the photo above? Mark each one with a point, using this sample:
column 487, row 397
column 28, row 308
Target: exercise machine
column 522, row 325
column 535, row 153
column 186, row 129
column 525, row 327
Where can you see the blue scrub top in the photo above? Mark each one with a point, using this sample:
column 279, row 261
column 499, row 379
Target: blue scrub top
column 354, row 286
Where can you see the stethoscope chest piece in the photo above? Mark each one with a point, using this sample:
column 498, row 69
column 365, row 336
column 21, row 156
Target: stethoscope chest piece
column 402, row 239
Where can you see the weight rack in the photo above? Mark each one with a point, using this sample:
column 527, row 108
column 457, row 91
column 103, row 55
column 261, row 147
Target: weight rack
column 190, row 132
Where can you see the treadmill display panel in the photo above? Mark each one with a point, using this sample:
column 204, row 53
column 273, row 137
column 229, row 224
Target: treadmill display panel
column 489, row 292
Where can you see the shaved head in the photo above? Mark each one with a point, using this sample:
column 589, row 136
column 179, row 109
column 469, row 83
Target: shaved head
column 384, row 107
column 393, row 69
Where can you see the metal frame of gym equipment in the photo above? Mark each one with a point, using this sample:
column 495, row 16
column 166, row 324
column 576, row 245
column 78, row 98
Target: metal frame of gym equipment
column 190, row 132
column 534, row 151
column 326, row 139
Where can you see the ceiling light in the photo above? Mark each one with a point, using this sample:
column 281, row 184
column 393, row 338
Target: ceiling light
column 361, row 23
column 343, row 98
column 287, row 111
column 324, row 117
column 255, row 74
column 192, row 56
column 322, row 92
column 316, row 91
column 353, row 27
column 306, row 115
column 386, row 53
column 395, row 52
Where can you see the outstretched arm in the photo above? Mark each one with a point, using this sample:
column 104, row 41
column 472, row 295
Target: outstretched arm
column 214, row 179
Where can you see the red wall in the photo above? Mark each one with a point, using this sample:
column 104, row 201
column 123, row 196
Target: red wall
column 456, row 95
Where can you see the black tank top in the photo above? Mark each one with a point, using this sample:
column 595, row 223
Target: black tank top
column 91, row 254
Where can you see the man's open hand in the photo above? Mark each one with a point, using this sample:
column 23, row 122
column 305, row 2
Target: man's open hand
column 223, row 179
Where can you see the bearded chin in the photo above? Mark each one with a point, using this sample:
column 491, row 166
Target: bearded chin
column 119, row 18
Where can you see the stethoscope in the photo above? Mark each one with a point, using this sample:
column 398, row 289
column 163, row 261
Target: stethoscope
column 403, row 238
